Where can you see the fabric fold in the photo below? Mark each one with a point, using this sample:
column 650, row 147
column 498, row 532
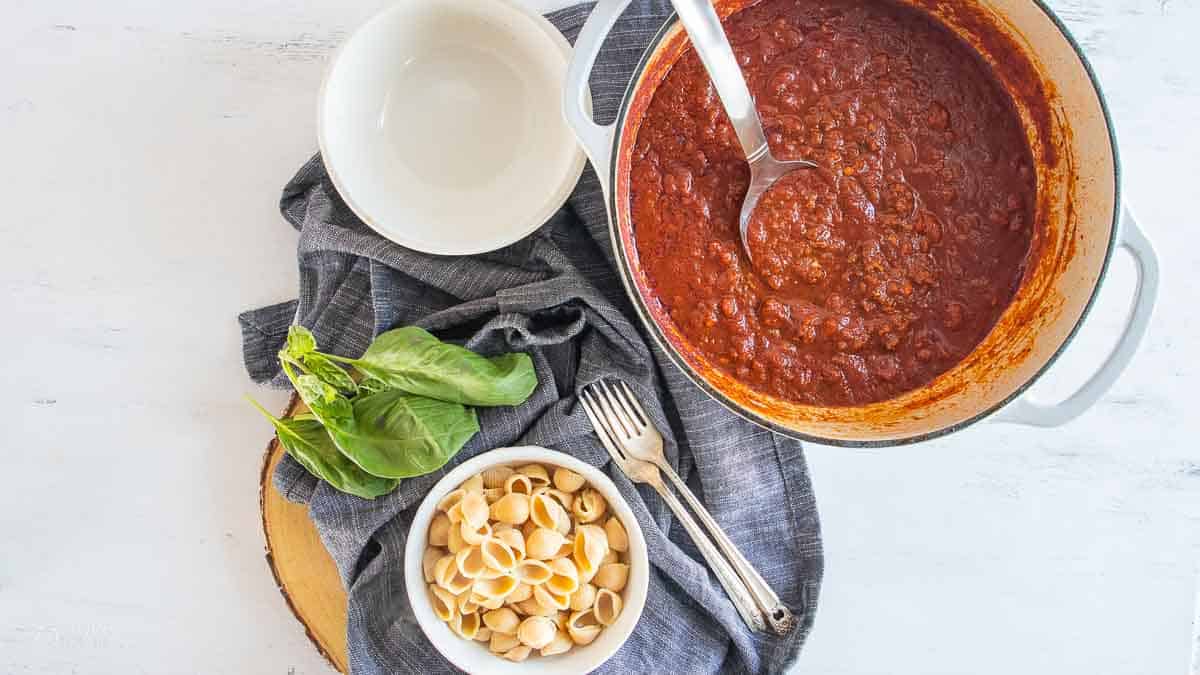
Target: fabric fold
column 556, row 296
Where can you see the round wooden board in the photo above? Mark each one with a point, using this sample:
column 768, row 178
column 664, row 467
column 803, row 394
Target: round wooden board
column 303, row 570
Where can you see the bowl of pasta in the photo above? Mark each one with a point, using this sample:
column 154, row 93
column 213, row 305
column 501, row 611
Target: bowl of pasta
column 526, row 560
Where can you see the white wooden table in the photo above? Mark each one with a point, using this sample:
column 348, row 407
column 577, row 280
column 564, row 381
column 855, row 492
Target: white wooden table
column 144, row 147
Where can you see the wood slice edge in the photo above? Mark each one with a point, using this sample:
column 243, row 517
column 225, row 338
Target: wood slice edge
column 304, row 573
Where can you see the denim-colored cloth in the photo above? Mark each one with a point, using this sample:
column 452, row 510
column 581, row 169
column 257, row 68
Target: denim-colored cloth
column 555, row 295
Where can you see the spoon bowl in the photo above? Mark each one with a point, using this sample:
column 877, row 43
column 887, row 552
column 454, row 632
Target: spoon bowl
column 765, row 170
column 712, row 46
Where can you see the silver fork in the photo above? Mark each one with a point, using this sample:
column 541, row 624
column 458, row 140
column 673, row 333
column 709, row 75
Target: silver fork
column 644, row 472
column 634, row 433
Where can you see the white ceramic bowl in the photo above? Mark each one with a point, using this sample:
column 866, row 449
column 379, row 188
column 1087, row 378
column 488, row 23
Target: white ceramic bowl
column 440, row 124
column 474, row 657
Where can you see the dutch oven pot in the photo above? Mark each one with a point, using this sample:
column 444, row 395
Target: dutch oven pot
column 1080, row 221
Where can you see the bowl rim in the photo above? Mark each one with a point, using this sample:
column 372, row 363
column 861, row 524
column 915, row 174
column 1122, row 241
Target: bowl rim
column 634, row 596
column 554, row 200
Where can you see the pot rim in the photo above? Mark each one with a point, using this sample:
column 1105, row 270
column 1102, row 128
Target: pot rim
column 625, row 267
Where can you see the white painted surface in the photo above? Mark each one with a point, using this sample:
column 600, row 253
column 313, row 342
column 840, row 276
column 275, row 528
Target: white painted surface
column 145, row 145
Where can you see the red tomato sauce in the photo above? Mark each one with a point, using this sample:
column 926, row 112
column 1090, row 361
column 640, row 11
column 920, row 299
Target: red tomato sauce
column 878, row 271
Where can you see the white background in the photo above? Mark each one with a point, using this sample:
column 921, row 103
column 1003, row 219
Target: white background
column 144, row 147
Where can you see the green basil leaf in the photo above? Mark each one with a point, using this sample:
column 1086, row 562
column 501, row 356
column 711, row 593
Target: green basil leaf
column 306, row 440
column 413, row 360
column 398, row 435
column 321, row 366
column 300, row 341
column 323, row 400
column 301, row 352
column 325, row 403
column 372, row 386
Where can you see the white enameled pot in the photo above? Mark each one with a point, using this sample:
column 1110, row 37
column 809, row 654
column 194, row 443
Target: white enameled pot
column 1081, row 220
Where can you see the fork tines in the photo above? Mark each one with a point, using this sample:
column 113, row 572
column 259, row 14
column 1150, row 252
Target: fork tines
column 592, row 408
column 620, row 405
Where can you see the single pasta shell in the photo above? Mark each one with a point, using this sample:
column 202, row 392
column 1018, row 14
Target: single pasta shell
column 548, row 599
column 608, row 606
column 502, row 620
column 518, row 483
column 546, row 512
column 429, row 560
column 465, row 625
column 567, row 480
column 466, row 605
column 517, row 654
column 589, row 506
column 495, row 588
column 470, row 562
column 560, row 644
column 444, row 570
column 439, row 530
column 502, row 642
column 564, row 499
column 494, row 476
column 536, row 631
column 453, row 497
column 474, row 509
column 583, row 627
column 473, row 484
column 618, row 539
column 514, row 540
column 523, row 591
column 475, row 536
column 562, row 522
column 448, row 577
column 445, row 605
column 454, row 540
column 565, row 579
column 537, row 474
column 590, row 546
column 531, row 607
column 583, row 597
column 544, row 544
column 533, row 572
column 497, row 555
column 612, row 576
column 512, row 508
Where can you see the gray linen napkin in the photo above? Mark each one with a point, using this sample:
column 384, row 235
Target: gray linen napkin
column 556, row 296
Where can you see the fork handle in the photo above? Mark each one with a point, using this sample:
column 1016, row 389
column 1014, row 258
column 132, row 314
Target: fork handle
column 777, row 615
column 730, row 581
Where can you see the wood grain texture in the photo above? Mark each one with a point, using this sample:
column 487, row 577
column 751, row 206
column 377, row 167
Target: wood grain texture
column 305, row 574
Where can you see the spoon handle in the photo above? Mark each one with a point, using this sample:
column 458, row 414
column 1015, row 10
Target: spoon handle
column 708, row 39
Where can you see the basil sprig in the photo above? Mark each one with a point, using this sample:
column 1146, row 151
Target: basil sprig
column 403, row 415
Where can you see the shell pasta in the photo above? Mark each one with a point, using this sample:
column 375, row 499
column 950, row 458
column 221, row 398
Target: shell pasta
column 526, row 560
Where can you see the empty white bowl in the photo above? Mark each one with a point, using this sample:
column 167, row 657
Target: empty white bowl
column 473, row 656
column 440, row 124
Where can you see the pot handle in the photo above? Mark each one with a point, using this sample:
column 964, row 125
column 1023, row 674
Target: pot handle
column 1024, row 411
column 596, row 139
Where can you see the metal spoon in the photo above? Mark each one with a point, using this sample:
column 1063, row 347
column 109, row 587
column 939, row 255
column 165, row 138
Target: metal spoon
column 708, row 38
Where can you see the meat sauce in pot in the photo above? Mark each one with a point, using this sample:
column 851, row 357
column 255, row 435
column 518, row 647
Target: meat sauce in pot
column 878, row 271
